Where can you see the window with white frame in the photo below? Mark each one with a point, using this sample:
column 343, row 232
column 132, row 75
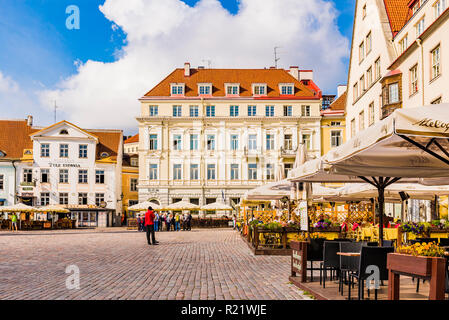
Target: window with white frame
column 362, row 85
column 82, row 151
column 177, row 142
column 64, row 198
column 154, row 111
column 287, row 89
column 193, row 142
column 234, row 171
column 393, row 93
column 362, row 120
column 45, row 198
column 232, row 89
column 436, row 70
column 336, row 138
column 234, row 111
column 288, row 111
column 177, row 172
column 99, row 177
column 63, row 150
column 419, row 27
column 371, row 114
column 210, row 111
column 361, row 52
column 252, row 142
column 269, row 111
column 194, row 113
column 45, row 150
column 177, row 89
column 260, row 90
column 210, row 142
column 63, row 176
column 270, row 142
column 153, row 141
column 99, row 199
column 252, row 171
column 416, row 6
column 377, row 69
column 194, row 172
column 204, row 89
column 133, row 184
column 153, row 172
column 177, row 111
column 369, row 76
column 403, row 44
column 82, row 198
column 355, row 91
column 82, row 176
column 414, row 79
column 270, row 171
column 439, row 7
column 288, row 142
column 234, row 142
column 252, row 111
column 211, row 172
column 307, row 140
column 27, row 175
column 352, row 127
column 369, row 43
column 45, row 175
column 305, row 111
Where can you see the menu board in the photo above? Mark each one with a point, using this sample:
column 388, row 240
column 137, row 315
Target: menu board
column 304, row 215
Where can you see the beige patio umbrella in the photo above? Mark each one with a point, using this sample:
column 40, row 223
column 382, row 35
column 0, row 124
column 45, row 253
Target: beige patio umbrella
column 20, row 207
column 182, row 205
column 53, row 208
column 143, row 206
column 270, row 191
column 409, row 145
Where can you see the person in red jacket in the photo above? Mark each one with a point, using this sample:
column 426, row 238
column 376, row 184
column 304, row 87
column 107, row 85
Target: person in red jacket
column 149, row 224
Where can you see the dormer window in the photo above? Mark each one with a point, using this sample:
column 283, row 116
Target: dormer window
column 232, row 89
column 259, row 89
column 287, row 89
column 104, row 155
column 177, row 89
column 204, row 89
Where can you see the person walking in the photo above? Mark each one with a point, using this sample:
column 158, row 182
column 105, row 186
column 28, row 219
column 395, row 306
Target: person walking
column 177, row 222
column 156, row 222
column 14, row 222
column 139, row 223
column 173, row 221
column 144, row 228
column 149, row 225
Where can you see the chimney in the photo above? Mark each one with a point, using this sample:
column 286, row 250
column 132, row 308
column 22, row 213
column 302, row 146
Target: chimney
column 341, row 89
column 305, row 75
column 294, row 71
column 187, row 69
column 30, row 120
column 271, row 68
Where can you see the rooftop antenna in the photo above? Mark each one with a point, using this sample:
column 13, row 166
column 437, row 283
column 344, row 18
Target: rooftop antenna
column 276, row 59
column 209, row 62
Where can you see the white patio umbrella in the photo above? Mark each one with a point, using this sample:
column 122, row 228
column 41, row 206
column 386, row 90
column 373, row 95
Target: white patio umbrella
column 270, row 191
column 143, row 206
column 53, row 208
column 217, row 206
column 182, row 205
column 409, row 145
column 20, row 207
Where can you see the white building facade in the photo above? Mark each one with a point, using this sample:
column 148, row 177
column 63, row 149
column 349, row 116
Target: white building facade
column 208, row 134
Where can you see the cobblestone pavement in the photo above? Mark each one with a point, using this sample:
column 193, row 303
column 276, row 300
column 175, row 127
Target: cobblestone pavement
column 118, row 264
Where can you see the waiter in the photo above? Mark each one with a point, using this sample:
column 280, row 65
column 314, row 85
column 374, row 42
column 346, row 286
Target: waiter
column 149, row 224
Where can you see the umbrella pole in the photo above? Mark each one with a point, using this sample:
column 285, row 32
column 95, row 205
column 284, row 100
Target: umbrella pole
column 381, row 191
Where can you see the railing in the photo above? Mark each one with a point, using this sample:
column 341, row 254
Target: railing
column 28, row 184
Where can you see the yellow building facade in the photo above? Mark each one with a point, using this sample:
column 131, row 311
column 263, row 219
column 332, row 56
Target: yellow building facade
column 130, row 175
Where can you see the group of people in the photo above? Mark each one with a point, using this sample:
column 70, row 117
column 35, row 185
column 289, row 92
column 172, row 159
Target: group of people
column 167, row 222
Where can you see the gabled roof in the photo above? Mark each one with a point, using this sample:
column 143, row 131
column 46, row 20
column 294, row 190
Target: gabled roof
column 245, row 77
column 15, row 138
column 133, row 139
column 338, row 106
column 61, row 123
column 399, row 13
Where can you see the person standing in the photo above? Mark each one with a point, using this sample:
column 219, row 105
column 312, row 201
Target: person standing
column 177, row 222
column 14, row 222
column 173, row 221
column 139, row 223
column 156, row 222
column 167, row 221
column 149, row 225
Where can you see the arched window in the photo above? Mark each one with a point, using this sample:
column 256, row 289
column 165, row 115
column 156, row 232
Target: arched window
column 63, row 131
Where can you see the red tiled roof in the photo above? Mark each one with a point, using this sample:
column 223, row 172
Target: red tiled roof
column 133, row 139
column 15, row 137
column 399, row 13
column 108, row 141
column 340, row 103
column 245, row 77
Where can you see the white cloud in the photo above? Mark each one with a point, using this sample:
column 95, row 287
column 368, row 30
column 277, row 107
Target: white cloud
column 7, row 85
column 162, row 35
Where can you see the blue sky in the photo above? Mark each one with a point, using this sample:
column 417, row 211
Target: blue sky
column 38, row 51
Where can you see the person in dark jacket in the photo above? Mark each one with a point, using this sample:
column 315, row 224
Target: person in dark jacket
column 189, row 222
column 149, row 225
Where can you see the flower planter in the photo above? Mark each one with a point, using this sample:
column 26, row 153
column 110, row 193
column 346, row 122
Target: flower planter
column 431, row 268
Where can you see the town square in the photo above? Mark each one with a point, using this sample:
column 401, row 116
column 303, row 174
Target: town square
column 252, row 150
